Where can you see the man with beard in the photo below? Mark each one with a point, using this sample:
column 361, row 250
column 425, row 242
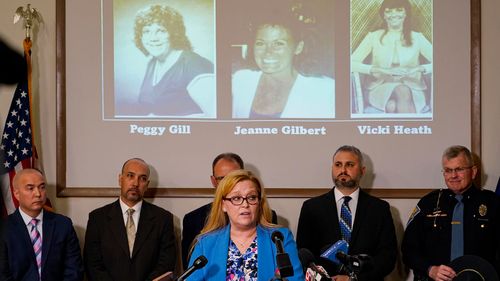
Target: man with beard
column 364, row 222
column 130, row 239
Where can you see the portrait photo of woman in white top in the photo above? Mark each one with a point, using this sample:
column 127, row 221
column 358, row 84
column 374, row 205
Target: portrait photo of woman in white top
column 276, row 82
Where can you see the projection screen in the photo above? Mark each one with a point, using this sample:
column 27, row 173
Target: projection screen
column 283, row 83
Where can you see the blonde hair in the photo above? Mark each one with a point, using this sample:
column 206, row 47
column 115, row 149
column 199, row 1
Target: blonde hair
column 218, row 219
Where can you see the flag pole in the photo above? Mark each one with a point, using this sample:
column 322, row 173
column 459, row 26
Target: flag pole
column 30, row 17
column 17, row 144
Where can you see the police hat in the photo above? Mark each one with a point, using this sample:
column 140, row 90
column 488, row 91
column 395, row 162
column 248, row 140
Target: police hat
column 473, row 268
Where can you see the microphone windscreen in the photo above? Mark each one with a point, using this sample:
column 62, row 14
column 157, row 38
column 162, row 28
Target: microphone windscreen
column 200, row 262
column 306, row 257
column 277, row 235
column 331, row 252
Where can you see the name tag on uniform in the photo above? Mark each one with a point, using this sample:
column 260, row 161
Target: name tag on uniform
column 437, row 214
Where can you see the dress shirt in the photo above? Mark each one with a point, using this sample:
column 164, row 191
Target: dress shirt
column 136, row 215
column 27, row 221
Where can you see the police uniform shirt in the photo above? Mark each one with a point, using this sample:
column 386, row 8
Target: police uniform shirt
column 427, row 239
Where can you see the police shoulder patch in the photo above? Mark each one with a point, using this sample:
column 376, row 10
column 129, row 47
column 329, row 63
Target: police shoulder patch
column 413, row 214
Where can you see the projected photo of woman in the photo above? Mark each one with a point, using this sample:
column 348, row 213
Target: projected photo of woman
column 276, row 82
column 178, row 81
column 392, row 66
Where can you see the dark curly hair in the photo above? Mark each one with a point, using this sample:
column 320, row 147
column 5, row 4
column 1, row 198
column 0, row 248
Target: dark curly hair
column 167, row 17
column 305, row 62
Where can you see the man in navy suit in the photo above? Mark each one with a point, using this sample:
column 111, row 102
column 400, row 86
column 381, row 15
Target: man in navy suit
column 130, row 239
column 37, row 244
column 371, row 228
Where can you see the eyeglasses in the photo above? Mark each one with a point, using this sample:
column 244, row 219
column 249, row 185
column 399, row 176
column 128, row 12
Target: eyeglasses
column 238, row 200
column 459, row 170
column 219, row 178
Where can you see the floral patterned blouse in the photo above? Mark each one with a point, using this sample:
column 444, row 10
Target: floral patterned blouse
column 242, row 267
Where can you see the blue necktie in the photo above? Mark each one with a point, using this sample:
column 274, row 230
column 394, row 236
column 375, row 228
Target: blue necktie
column 457, row 229
column 346, row 219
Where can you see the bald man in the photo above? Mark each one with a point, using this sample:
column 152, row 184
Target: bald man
column 130, row 239
column 37, row 244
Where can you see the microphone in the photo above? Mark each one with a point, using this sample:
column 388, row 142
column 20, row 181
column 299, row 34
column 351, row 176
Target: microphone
column 282, row 259
column 198, row 263
column 337, row 253
column 307, row 260
column 340, row 246
column 355, row 263
column 278, row 238
column 348, row 259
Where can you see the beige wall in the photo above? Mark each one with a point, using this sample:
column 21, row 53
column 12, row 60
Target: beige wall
column 288, row 209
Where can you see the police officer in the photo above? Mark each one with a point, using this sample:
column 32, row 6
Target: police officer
column 435, row 235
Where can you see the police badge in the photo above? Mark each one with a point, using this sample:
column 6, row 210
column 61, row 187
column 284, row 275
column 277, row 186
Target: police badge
column 483, row 210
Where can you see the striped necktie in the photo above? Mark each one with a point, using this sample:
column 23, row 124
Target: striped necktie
column 346, row 219
column 36, row 240
column 457, row 229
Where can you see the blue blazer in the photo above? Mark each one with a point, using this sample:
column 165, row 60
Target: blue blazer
column 214, row 246
column 61, row 258
column 193, row 223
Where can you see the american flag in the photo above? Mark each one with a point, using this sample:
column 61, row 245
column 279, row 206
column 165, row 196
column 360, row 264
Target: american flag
column 17, row 150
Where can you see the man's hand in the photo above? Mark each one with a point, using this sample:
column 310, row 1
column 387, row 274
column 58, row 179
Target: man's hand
column 441, row 273
column 340, row 278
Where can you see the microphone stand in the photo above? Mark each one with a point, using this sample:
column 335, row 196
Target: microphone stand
column 352, row 269
column 353, row 276
column 346, row 268
column 282, row 258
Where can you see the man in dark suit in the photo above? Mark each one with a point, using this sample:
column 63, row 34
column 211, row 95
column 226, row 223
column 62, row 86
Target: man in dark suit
column 194, row 221
column 368, row 228
column 130, row 239
column 37, row 244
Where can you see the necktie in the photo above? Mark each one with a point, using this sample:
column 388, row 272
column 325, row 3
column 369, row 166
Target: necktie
column 36, row 240
column 346, row 219
column 457, row 229
column 130, row 230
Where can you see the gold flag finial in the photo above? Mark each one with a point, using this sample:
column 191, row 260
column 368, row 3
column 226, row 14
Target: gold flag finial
column 29, row 15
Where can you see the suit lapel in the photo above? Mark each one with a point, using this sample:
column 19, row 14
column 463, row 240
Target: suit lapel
column 266, row 253
column 21, row 228
column 146, row 224
column 220, row 248
column 48, row 234
column 117, row 227
column 331, row 208
column 361, row 211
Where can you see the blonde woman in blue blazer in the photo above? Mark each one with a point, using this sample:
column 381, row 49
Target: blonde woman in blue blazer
column 236, row 239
